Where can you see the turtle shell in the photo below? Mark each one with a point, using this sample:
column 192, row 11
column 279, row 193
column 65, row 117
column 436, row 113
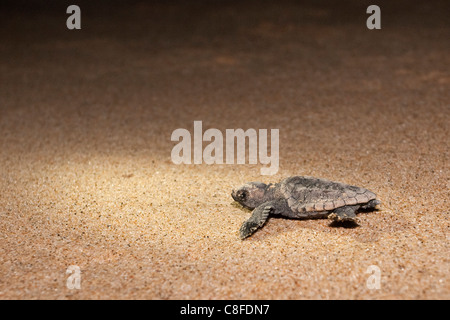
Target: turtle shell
column 308, row 194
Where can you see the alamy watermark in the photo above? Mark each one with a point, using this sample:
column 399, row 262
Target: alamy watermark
column 374, row 280
column 374, row 21
column 235, row 140
column 74, row 280
column 74, row 20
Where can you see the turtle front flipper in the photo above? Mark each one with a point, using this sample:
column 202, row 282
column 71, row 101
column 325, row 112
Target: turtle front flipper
column 347, row 213
column 257, row 220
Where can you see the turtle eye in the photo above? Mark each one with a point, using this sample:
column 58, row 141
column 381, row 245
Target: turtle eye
column 242, row 195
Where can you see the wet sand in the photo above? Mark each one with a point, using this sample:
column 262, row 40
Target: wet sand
column 87, row 178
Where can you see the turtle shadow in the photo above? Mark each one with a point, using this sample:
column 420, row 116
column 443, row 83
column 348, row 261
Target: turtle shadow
column 241, row 207
column 352, row 224
column 344, row 224
column 277, row 225
column 371, row 226
column 332, row 223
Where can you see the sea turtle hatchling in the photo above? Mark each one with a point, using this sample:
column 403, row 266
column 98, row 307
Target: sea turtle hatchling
column 301, row 198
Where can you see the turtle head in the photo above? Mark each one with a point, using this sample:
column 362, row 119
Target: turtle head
column 250, row 195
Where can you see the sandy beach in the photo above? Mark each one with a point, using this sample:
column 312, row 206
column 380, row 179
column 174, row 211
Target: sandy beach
column 87, row 178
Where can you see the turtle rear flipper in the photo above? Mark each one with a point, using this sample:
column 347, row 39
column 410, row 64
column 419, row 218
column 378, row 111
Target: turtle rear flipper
column 347, row 213
column 371, row 204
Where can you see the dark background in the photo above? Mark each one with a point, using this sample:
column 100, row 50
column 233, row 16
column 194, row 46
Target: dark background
column 86, row 177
